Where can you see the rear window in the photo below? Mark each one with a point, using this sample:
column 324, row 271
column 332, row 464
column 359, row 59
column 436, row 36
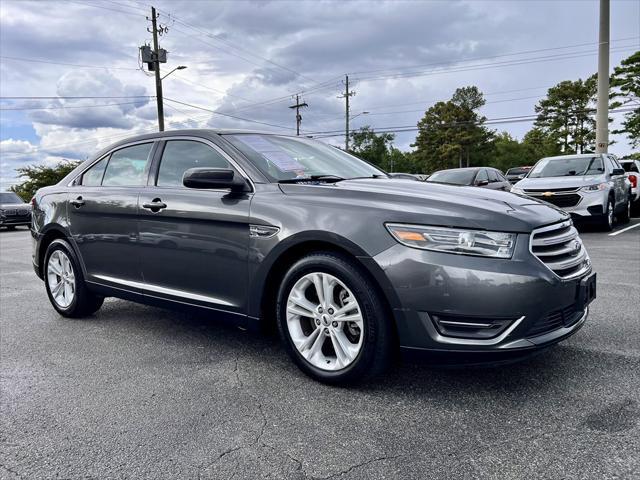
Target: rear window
column 629, row 166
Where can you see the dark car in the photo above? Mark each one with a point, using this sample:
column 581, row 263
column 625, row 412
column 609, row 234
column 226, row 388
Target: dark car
column 350, row 264
column 485, row 177
column 13, row 211
column 514, row 175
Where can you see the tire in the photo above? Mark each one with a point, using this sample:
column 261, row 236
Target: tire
column 66, row 288
column 625, row 214
column 369, row 349
column 606, row 220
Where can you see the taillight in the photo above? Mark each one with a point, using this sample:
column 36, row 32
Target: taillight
column 634, row 180
column 33, row 202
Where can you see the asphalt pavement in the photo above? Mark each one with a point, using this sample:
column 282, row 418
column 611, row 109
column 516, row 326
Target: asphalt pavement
column 139, row 392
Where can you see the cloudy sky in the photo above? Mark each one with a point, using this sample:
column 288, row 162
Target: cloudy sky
column 246, row 61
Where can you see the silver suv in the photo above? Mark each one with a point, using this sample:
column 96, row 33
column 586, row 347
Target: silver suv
column 590, row 186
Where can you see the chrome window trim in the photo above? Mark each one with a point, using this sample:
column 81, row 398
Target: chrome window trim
column 73, row 183
column 206, row 141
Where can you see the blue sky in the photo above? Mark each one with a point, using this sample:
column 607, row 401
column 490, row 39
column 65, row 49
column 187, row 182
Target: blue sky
column 248, row 59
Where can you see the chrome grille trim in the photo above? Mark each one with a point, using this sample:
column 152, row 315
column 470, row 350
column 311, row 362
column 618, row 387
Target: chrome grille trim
column 569, row 259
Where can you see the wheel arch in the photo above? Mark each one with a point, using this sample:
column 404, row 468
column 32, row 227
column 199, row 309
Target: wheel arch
column 267, row 281
column 46, row 236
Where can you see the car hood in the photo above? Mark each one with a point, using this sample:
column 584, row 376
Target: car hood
column 559, row 182
column 408, row 201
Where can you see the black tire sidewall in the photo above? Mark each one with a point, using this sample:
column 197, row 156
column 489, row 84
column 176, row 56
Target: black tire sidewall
column 375, row 342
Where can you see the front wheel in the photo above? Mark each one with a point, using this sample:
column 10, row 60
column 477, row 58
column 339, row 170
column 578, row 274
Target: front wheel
column 625, row 215
column 606, row 220
column 65, row 284
column 331, row 320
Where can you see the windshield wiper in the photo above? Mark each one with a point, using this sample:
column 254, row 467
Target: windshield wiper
column 312, row 178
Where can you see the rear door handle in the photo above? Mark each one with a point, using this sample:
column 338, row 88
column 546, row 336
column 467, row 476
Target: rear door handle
column 78, row 202
column 155, row 205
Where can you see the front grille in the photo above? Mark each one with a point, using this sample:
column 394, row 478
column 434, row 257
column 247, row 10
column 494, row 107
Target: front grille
column 554, row 190
column 557, row 319
column 559, row 200
column 10, row 213
column 23, row 212
column 559, row 247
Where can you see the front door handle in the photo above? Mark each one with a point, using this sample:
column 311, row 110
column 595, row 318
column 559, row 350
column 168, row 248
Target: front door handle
column 155, row 205
column 78, row 202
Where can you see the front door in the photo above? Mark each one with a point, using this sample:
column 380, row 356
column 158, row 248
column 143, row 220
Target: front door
column 103, row 210
column 194, row 242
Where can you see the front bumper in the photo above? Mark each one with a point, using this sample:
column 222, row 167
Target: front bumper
column 15, row 220
column 536, row 307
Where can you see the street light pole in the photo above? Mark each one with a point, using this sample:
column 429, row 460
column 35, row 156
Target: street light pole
column 602, row 111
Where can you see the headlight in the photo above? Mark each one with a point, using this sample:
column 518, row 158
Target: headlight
column 454, row 240
column 596, row 187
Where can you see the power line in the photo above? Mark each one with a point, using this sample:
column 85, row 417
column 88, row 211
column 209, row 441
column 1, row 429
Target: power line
column 76, row 97
column 77, row 65
column 226, row 114
column 62, row 107
column 523, row 52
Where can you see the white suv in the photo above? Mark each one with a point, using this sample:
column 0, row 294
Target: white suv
column 589, row 186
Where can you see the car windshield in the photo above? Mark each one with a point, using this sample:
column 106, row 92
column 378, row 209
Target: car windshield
column 283, row 158
column 10, row 197
column 567, row 167
column 453, row 177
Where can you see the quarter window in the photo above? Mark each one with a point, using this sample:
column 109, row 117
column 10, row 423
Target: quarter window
column 93, row 176
column 493, row 176
column 126, row 167
column 181, row 155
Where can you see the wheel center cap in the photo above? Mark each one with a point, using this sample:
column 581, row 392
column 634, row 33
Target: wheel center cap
column 325, row 320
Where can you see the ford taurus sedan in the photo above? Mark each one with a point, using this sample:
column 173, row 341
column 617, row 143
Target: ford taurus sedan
column 350, row 264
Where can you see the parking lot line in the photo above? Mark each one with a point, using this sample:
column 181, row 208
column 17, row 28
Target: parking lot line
column 624, row 230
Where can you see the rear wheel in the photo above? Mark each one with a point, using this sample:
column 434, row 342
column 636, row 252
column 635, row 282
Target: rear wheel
column 65, row 284
column 331, row 320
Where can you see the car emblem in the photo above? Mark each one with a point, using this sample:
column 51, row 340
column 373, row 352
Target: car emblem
column 547, row 194
column 576, row 246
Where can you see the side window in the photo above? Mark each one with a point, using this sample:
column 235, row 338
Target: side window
column 501, row 177
column 93, row 176
column 482, row 176
column 493, row 176
column 126, row 167
column 610, row 163
column 181, row 155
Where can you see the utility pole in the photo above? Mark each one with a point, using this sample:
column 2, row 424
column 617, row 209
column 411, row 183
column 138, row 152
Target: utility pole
column 298, row 106
column 346, row 96
column 602, row 112
column 156, row 61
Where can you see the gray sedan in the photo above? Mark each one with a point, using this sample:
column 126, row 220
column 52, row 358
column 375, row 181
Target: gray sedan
column 350, row 264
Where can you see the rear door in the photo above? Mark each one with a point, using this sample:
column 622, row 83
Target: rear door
column 482, row 178
column 195, row 245
column 103, row 208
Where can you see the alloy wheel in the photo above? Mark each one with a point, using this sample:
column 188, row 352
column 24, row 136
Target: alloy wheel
column 325, row 321
column 610, row 214
column 61, row 279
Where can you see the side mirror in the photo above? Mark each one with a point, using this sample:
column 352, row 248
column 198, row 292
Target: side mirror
column 213, row 178
column 482, row 183
column 617, row 171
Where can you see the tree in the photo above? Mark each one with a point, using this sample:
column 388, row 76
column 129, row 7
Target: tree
column 536, row 144
column 625, row 83
column 372, row 147
column 565, row 115
column 507, row 152
column 38, row 176
column 451, row 133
